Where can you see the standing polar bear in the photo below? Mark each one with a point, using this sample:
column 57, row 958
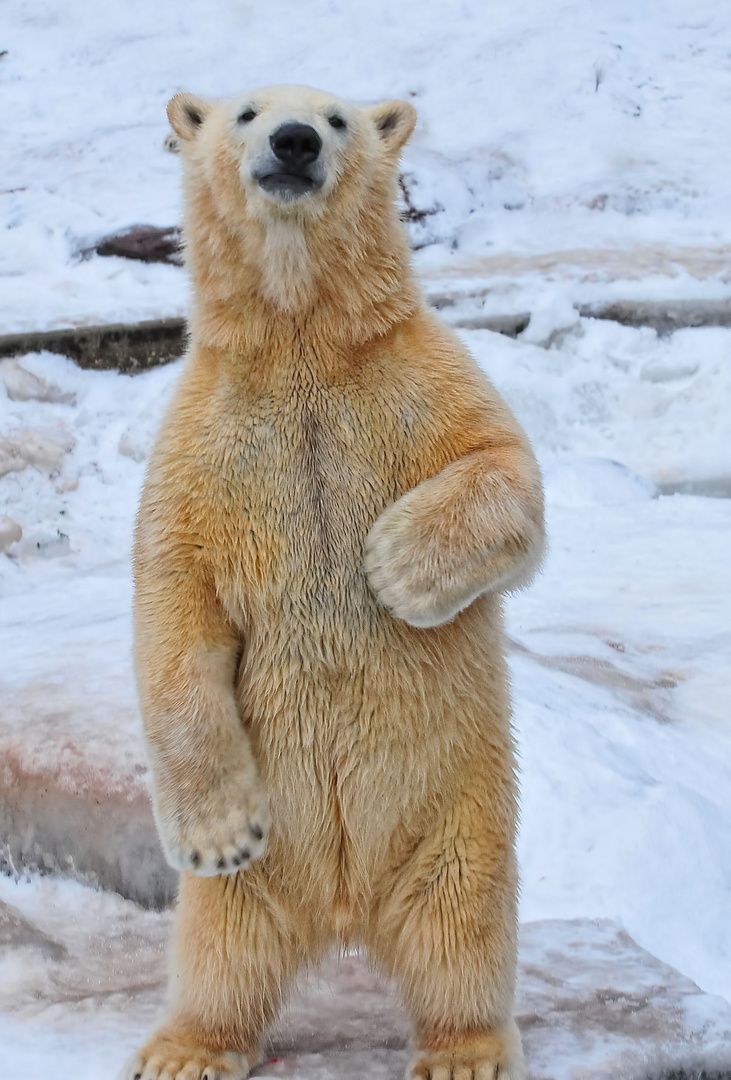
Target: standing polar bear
column 336, row 501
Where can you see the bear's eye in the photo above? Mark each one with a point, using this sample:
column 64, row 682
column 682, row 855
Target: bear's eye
column 246, row 116
column 336, row 121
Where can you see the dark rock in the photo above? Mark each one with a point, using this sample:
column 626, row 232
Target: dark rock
column 665, row 316
column 126, row 347
column 508, row 325
column 148, row 243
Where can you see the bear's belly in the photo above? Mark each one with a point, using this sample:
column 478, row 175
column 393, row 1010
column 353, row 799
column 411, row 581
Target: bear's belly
column 360, row 753
column 343, row 725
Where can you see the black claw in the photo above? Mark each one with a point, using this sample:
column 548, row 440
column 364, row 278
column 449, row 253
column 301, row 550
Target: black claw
column 236, row 860
column 221, row 864
column 245, row 854
column 256, row 831
column 194, row 861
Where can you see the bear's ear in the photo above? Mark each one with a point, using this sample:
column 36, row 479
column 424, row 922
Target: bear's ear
column 186, row 113
column 394, row 122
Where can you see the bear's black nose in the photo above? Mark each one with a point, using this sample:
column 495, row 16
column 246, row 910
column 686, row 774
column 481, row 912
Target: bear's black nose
column 296, row 144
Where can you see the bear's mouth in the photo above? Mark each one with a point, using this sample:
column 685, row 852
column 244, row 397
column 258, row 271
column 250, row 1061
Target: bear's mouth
column 287, row 185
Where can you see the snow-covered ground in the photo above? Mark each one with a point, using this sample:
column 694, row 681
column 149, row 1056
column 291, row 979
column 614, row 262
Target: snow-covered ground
column 591, row 1004
column 573, row 154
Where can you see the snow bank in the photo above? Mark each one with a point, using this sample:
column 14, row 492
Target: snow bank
column 76, row 457
column 621, row 697
column 659, row 406
column 587, row 481
column 73, row 782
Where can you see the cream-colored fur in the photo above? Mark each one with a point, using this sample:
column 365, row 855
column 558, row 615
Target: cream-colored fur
column 337, row 498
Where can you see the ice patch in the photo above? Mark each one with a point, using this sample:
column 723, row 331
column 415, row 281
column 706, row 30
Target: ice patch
column 10, row 533
column 28, row 446
column 23, row 385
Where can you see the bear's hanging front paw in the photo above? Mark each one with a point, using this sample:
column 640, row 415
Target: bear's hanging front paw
column 411, row 571
column 217, row 826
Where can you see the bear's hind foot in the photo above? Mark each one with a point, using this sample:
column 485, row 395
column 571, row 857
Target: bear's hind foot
column 492, row 1055
column 169, row 1056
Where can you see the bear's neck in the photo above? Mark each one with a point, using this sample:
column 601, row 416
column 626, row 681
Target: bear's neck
column 325, row 286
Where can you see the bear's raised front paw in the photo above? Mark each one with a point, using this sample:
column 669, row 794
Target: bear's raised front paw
column 220, row 830
column 408, row 572
column 169, row 1058
column 494, row 1055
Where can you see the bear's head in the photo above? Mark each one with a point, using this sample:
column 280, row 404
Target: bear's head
column 292, row 183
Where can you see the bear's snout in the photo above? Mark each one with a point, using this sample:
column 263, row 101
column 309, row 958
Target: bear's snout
column 297, row 145
column 293, row 165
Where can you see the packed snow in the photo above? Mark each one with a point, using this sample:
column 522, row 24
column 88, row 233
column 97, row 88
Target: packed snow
column 566, row 155
column 591, row 1004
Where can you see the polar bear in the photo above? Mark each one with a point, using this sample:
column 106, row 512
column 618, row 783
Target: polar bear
column 337, row 499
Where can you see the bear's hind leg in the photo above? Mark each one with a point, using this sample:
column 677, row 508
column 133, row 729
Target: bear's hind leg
column 237, row 948
column 445, row 928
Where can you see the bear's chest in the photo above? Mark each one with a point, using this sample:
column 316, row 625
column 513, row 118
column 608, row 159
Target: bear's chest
column 303, row 478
